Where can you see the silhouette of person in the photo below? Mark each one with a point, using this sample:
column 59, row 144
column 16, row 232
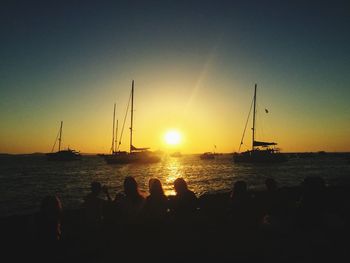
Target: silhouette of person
column 271, row 198
column 312, row 201
column 242, row 209
column 131, row 202
column 275, row 208
column 185, row 202
column 95, row 205
column 50, row 217
column 49, row 231
column 156, row 204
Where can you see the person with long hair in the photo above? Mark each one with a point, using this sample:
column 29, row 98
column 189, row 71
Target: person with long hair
column 185, row 201
column 156, row 203
column 50, row 217
column 131, row 202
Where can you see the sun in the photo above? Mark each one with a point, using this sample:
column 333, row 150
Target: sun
column 172, row 137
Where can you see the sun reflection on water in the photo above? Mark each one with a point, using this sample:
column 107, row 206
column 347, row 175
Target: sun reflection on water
column 174, row 171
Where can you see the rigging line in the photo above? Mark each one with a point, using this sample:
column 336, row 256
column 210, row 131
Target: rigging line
column 126, row 114
column 112, row 147
column 258, row 122
column 262, row 124
column 250, row 110
column 53, row 147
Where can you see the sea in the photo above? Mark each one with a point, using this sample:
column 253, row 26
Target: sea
column 26, row 179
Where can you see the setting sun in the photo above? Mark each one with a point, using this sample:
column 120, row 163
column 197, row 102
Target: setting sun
column 172, row 137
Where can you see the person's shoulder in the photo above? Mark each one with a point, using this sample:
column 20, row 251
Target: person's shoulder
column 142, row 199
column 191, row 194
column 172, row 198
column 143, row 195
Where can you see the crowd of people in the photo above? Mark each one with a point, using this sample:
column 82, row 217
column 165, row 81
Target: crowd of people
column 275, row 222
column 270, row 210
column 131, row 206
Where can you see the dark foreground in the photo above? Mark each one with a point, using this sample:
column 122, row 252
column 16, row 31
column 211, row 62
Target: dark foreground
column 209, row 235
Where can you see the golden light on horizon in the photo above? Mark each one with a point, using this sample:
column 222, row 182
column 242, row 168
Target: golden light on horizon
column 172, row 137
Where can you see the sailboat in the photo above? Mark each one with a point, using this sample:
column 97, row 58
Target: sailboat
column 62, row 155
column 261, row 152
column 114, row 147
column 135, row 155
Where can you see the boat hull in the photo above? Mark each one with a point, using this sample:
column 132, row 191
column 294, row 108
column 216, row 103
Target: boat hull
column 259, row 156
column 125, row 158
column 207, row 157
column 66, row 155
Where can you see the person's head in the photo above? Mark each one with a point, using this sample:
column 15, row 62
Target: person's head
column 150, row 181
column 96, row 187
column 155, row 187
column 130, row 186
column 239, row 189
column 271, row 184
column 180, row 185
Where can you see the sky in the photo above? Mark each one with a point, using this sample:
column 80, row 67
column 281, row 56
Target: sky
column 194, row 63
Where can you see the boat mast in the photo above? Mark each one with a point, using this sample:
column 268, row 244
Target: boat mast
column 254, row 111
column 132, row 113
column 60, row 138
column 116, row 138
column 112, row 148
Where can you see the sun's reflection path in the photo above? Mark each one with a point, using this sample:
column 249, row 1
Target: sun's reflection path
column 174, row 170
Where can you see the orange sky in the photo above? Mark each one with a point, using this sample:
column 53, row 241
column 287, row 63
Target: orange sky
column 204, row 118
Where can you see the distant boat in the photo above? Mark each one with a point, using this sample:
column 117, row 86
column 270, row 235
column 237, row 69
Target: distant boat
column 261, row 152
column 62, row 155
column 207, row 155
column 135, row 155
column 176, row 154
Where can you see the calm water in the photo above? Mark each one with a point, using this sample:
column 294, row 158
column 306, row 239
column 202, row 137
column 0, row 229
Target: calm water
column 25, row 180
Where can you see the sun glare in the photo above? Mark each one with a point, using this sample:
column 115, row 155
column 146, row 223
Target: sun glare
column 172, row 137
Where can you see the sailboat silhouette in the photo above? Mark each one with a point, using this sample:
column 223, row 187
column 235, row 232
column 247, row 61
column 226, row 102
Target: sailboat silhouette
column 261, row 152
column 62, row 155
column 135, row 155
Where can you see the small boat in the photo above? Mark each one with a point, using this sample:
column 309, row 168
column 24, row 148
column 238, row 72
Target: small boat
column 207, row 155
column 135, row 155
column 62, row 155
column 261, row 152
